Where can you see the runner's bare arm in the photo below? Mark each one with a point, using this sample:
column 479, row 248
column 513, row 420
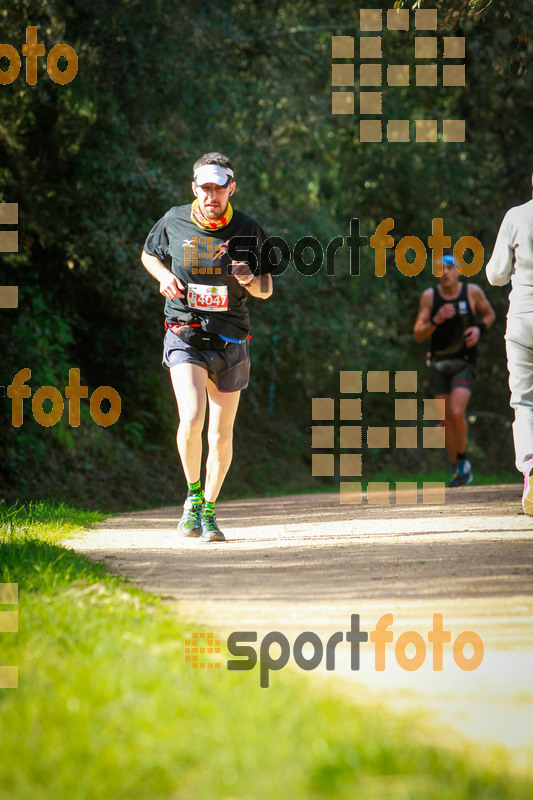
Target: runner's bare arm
column 259, row 286
column 169, row 285
column 423, row 325
column 479, row 302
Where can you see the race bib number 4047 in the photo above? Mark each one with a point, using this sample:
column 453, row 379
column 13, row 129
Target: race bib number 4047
column 207, row 298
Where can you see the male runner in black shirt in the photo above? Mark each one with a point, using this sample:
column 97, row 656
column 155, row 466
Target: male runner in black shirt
column 216, row 262
column 447, row 314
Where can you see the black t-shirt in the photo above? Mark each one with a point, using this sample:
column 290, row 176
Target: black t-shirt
column 202, row 261
column 447, row 340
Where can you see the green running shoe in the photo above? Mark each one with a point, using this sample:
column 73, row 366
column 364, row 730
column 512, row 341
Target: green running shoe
column 190, row 525
column 210, row 530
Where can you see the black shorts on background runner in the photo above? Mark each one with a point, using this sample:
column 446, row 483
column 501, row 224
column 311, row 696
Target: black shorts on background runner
column 450, row 373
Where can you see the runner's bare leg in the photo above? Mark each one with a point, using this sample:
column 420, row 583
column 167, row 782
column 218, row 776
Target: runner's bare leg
column 222, row 410
column 189, row 382
column 449, row 431
column 458, row 401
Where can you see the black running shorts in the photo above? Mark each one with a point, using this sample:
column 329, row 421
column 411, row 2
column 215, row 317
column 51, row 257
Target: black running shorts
column 229, row 369
column 450, row 373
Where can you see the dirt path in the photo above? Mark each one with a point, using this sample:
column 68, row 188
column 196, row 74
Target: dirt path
column 302, row 563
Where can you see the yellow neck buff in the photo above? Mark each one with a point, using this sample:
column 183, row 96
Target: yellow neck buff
column 210, row 224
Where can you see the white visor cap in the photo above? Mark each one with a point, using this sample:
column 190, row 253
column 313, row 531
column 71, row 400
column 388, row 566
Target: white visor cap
column 213, row 173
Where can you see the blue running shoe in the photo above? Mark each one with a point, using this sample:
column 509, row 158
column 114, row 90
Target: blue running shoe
column 463, row 473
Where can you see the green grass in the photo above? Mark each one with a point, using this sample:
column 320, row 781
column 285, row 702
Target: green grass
column 107, row 707
column 47, row 521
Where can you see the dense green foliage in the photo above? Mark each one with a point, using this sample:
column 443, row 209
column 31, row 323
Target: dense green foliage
column 93, row 164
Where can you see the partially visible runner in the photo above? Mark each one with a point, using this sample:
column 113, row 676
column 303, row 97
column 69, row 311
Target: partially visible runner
column 512, row 260
column 207, row 325
column 447, row 313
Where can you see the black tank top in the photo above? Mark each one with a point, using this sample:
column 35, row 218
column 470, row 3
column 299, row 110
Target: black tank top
column 447, row 340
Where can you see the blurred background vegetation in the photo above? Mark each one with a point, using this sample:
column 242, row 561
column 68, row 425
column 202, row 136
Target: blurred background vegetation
column 94, row 163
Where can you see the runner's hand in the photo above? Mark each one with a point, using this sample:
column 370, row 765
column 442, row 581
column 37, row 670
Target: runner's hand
column 242, row 272
column 447, row 311
column 170, row 286
column 471, row 336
